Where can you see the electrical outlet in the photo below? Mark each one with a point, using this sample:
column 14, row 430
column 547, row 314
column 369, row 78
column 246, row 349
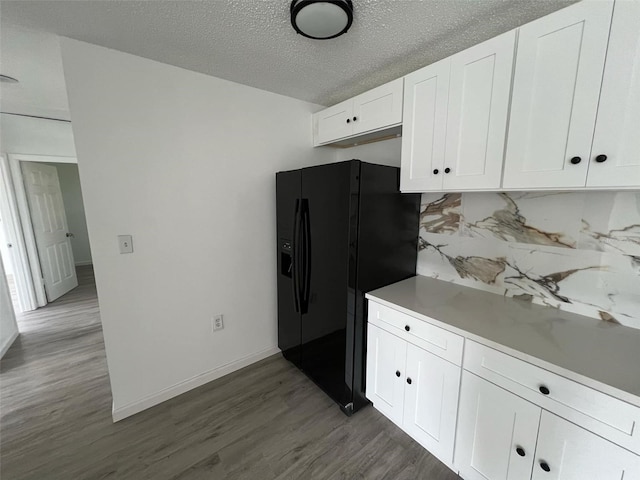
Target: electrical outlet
column 217, row 323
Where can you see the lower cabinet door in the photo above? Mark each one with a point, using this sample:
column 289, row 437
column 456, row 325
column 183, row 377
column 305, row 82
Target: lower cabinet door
column 496, row 434
column 568, row 452
column 386, row 359
column 431, row 402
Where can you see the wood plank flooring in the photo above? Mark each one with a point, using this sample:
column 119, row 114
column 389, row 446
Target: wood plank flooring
column 266, row 421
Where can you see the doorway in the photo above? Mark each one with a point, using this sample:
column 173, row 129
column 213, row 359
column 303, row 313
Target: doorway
column 47, row 240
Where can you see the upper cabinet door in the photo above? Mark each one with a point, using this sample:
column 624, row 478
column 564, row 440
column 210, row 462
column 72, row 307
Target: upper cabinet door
column 615, row 156
column 386, row 359
column 431, row 401
column 378, row 108
column 558, row 73
column 477, row 116
column 568, row 452
column 497, row 432
column 334, row 122
column 426, row 93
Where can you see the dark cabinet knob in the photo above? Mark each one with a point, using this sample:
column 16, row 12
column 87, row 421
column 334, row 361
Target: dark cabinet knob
column 575, row 160
column 447, row 170
column 436, row 171
column 355, row 118
column 409, row 381
column 545, row 466
column 543, row 390
column 348, row 120
column 601, row 158
column 520, row 451
column 407, row 328
column 397, row 373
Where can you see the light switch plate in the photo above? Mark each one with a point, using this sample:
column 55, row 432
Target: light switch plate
column 125, row 243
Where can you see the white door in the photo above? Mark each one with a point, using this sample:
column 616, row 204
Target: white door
column 50, row 228
column 334, row 123
column 568, row 452
column 378, row 108
column 424, row 127
column 556, row 85
column 615, row 156
column 477, row 115
column 386, row 359
column 431, row 402
column 497, row 431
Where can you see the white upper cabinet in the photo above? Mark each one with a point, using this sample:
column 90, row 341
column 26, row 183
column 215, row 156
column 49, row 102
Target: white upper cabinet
column 479, row 89
column 374, row 110
column 497, row 432
column 455, row 119
column 568, row 452
column 426, row 93
column 615, row 156
column 334, row 122
column 558, row 73
column 378, row 108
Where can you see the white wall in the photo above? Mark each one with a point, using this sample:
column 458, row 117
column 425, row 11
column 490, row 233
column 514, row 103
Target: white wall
column 386, row 152
column 74, row 209
column 186, row 164
column 35, row 136
column 8, row 326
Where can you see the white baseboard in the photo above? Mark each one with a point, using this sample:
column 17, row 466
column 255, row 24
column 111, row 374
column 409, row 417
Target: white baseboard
column 8, row 343
column 189, row 384
column 84, row 264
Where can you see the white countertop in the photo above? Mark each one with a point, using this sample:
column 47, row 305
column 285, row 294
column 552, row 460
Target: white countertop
column 604, row 356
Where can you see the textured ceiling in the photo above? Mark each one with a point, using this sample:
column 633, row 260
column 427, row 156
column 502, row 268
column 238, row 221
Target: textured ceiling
column 252, row 42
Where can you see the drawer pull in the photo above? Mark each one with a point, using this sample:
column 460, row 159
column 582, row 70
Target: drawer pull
column 397, row 373
column 520, row 451
column 545, row 466
column 544, row 390
column 407, row 328
column 409, row 381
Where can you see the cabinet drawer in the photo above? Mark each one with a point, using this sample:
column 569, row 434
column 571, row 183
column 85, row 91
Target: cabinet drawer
column 609, row 417
column 433, row 339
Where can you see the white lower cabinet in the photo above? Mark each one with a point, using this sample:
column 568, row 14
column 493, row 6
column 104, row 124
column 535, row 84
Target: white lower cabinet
column 568, row 452
column 431, row 402
column 496, row 435
column 415, row 389
column 386, row 359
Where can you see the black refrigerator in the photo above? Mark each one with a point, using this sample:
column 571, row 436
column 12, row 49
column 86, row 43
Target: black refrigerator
column 343, row 229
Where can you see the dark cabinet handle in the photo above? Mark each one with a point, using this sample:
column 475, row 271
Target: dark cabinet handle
column 520, row 451
column 601, row 158
column 543, row 390
column 447, row 170
column 348, row 120
column 407, row 328
column 436, row 171
column 575, row 160
column 545, row 466
column 397, row 373
column 409, row 381
column 355, row 118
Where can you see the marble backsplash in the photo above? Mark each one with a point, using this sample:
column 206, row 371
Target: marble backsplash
column 577, row 251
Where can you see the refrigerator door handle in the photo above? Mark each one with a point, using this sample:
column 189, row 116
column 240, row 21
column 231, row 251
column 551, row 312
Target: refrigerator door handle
column 295, row 273
column 306, row 255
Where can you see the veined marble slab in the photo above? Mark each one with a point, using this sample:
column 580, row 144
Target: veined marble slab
column 578, row 252
column 602, row 355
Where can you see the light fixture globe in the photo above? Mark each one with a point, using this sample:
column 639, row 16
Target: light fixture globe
column 321, row 19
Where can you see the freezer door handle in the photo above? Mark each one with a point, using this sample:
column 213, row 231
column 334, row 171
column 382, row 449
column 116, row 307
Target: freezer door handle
column 295, row 246
column 306, row 256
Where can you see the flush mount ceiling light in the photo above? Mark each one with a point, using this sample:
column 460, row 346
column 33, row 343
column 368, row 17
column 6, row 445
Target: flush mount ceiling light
column 7, row 79
column 321, row 19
